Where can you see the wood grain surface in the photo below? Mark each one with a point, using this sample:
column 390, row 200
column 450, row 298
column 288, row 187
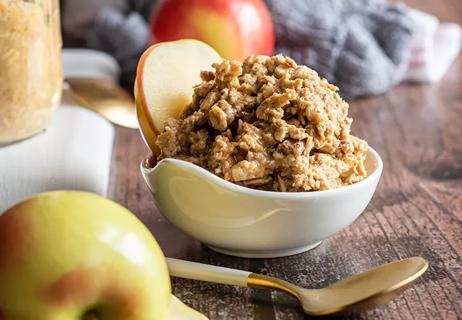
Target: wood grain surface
column 416, row 211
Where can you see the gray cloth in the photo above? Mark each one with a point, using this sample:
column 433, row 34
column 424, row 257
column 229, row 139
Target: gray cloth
column 123, row 36
column 362, row 46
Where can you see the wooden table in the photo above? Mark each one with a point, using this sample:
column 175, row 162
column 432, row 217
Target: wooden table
column 416, row 211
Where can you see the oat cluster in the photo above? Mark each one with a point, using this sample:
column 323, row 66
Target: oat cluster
column 270, row 124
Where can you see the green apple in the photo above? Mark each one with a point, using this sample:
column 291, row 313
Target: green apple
column 69, row 255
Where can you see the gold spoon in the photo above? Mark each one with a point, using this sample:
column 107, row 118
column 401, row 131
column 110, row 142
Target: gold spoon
column 365, row 290
column 105, row 98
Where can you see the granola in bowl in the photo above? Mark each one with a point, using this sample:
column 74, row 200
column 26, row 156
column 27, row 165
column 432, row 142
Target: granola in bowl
column 269, row 124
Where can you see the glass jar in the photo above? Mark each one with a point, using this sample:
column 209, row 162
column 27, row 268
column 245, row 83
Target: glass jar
column 30, row 66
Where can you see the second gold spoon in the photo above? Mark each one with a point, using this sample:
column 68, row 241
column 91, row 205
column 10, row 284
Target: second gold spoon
column 105, row 98
column 374, row 287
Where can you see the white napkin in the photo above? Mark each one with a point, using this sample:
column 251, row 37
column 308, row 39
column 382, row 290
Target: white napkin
column 73, row 153
column 434, row 48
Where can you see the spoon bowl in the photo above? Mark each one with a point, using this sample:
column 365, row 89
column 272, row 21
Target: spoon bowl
column 362, row 291
column 105, row 98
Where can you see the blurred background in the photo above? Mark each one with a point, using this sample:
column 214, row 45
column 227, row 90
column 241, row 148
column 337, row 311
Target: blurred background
column 363, row 46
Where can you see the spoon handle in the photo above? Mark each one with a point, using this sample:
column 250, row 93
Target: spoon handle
column 205, row 272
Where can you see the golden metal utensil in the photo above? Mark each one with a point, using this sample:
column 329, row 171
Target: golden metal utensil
column 105, row 98
column 365, row 290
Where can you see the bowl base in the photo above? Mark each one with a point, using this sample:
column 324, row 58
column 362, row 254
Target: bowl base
column 265, row 253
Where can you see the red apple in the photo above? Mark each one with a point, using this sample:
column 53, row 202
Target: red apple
column 235, row 28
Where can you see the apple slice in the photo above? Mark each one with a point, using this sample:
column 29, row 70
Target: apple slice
column 179, row 311
column 165, row 77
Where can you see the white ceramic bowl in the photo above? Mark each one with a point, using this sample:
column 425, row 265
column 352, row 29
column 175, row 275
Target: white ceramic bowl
column 252, row 223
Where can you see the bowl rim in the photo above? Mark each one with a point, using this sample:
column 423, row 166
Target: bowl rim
column 374, row 176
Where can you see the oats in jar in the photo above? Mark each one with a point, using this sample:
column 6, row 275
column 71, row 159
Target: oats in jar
column 269, row 124
column 30, row 66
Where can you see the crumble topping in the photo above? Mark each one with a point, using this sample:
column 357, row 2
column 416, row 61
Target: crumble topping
column 269, row 124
